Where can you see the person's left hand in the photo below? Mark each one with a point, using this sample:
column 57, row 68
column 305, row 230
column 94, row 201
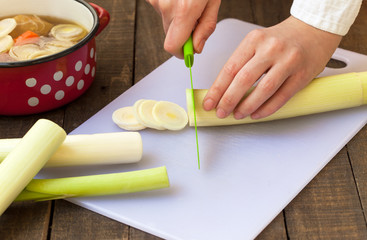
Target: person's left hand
column 289, row 55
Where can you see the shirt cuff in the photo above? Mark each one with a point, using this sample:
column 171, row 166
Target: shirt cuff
column 334, row 16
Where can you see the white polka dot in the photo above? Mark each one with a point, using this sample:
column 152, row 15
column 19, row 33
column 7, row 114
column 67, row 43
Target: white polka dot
column 93, row 71
column 78, row 66
column 87, row 69
column 45, row 89
column 91, row 54
column 33, row 101
column 58, row 76
column 31, row 82
column 80, row 84
column 69, row 81
column 59, row 95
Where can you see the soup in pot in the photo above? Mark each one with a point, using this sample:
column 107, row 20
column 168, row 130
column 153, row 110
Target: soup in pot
column 27, row 37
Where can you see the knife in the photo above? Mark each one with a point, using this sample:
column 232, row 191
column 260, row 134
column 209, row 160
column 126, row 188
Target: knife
column 188, row 51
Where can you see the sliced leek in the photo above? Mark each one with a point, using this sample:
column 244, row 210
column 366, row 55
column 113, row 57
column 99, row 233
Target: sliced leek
column 321, row 95
column 24, row 52
column 96, row 185
column 68, row 32
column 170, row 115
column 27, row 158
column 125, row 119
column 7, row 25
column 90, row 149
column 6, row 43
column 143, row 110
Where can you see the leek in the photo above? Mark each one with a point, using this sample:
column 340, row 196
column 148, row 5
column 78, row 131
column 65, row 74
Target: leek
column 27, row 158
column 321, row 95
column 90, row 149
column 95, row 185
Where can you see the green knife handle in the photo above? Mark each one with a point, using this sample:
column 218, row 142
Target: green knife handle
column 188, row 51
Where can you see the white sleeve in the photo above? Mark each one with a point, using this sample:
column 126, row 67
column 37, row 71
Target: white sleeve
column 335, row 16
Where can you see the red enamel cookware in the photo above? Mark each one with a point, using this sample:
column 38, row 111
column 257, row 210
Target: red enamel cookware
column 46, row 83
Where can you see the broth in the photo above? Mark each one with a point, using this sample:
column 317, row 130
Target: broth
column 27, row 37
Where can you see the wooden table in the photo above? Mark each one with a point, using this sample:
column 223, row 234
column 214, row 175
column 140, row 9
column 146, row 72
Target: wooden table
column 330, row 207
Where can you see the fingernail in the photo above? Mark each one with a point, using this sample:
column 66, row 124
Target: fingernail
column 221, row 113
column 255, row 116
column 208, row 104
column 238, row 115
column 201, row 46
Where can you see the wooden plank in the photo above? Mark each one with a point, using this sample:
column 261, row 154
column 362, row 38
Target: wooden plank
column 358, row 156
column 329, row 207
column 115, row 51
column 149, row 51
column 73, row 222
column 26, row 220
column 270, row 12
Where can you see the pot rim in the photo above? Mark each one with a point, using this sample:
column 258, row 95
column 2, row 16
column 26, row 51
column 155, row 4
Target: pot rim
column 65, row 52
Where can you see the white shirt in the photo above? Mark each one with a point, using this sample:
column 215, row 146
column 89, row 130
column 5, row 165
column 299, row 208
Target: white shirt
column 335, row 16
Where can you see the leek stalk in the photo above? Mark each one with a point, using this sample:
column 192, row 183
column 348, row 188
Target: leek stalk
column 27, row 158
column 321, row 95
column 90, row 149
column 95, row 185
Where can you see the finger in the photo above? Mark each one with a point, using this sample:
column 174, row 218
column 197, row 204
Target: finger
column 206, row 25
column 181, row 28
column 266, row 87
column 290, row 87
column 166, row 11
column 242, row 82
column 239, row 58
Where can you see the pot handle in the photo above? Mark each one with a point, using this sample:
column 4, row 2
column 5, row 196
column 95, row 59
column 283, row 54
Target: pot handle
column 103, row 15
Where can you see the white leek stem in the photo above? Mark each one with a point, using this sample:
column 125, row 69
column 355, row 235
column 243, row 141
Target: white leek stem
column 27, row 158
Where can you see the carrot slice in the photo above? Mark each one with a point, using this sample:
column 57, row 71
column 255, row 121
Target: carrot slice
column 26, row 37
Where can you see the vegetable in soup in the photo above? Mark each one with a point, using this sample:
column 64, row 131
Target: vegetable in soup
column 27, row 37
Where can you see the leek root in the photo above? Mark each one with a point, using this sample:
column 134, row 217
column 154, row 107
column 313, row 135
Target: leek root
column 95, row 185
column 90, row 149
column 321, row 95
column 27, row 159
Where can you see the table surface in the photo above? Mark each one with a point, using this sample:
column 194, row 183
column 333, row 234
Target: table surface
column 331, row 206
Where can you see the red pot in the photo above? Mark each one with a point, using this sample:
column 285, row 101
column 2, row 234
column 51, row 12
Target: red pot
column 50, row 82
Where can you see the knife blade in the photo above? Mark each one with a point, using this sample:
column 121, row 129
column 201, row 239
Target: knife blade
column 188, row 51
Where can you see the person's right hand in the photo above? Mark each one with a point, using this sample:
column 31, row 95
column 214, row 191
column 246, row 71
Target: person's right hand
column 183, row 17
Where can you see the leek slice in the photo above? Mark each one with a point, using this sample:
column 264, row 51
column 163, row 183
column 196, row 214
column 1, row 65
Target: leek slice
column 143, row 110
column 125, row 119
column 170, row 115
column 68, row 32
column 7, row 25
column 6, row 43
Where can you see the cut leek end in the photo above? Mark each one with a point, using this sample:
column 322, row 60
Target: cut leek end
column 189, row 105
column 144, row 114
column 363, row 78
column 125, row 119
column 170, row 115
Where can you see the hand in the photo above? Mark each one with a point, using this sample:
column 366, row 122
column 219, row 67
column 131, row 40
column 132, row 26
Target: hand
column 289, row 55
column 183, row 17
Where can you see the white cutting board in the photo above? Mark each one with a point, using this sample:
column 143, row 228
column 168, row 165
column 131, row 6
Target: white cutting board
column 249, row 173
